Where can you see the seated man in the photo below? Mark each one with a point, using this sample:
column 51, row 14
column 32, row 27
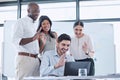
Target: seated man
column 53, row 61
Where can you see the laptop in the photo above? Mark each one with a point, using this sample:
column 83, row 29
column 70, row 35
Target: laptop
column 71, row 68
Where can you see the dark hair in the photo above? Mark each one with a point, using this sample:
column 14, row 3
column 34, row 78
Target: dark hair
column 78, row 23
column 63, row 37
column 41, row 19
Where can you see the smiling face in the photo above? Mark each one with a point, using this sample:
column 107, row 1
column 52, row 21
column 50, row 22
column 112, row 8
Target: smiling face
column 33, row 11
column 63, row 47
column 78, row 31
column 45, row 26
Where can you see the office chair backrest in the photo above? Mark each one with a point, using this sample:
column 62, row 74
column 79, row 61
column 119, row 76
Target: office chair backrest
column 92, row 65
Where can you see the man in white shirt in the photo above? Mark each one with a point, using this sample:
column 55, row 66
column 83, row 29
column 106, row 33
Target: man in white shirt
column 53, row 61
column 25, row 39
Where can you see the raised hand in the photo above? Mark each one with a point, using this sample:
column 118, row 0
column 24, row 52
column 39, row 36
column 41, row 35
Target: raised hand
column 42, row 37
column 85, row 47
column 61, row 61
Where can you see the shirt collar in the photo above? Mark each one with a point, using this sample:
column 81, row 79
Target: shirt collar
column 30, row 19
column 56, row 54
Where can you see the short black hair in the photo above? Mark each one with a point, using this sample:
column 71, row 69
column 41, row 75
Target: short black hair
column 63, row 37
column 78, row 23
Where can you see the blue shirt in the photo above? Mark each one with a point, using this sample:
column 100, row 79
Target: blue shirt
column 49, row 59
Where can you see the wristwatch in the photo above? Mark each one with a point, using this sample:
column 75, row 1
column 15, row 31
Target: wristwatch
column 87, row 53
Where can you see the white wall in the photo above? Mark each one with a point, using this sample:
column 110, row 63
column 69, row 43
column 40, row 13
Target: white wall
column 102, row 35
column 117, row 44
column 1, row 47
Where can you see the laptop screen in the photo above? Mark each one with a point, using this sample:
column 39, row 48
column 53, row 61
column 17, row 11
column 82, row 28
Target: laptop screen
column 71, row 68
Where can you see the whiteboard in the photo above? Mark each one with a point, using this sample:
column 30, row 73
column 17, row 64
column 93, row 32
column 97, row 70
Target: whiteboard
column 101, row 34
column 9, row 50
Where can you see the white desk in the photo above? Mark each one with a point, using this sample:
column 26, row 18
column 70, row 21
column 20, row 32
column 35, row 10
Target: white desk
column 105, row 77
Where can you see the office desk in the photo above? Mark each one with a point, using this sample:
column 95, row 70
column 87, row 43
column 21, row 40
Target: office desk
column 102, row 77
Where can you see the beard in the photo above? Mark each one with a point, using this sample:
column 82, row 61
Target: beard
column 33, row 17
column 61, row 50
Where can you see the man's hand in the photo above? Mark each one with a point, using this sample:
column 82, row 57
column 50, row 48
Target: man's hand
column 28, row 40
column 37, row 35
column 61, row 62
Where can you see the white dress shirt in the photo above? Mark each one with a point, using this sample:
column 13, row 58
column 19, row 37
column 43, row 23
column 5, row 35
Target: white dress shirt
column 25, row 28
